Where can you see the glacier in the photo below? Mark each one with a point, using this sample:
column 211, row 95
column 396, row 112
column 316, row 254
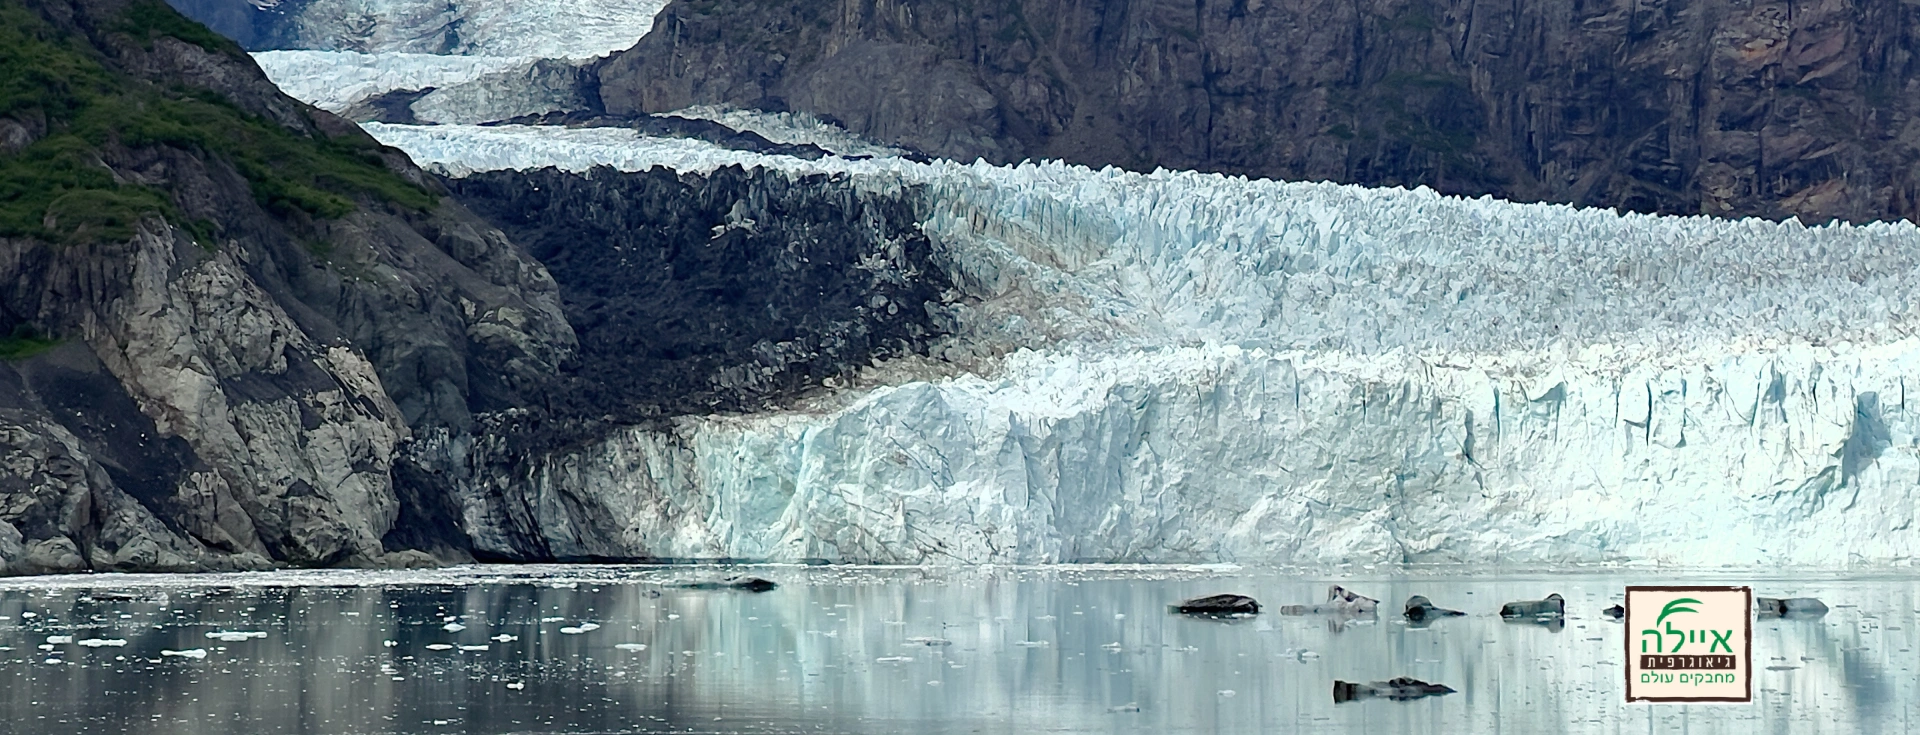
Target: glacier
column 335, row 80
column 550, row 29
column 480, row 56
column 1197, row 368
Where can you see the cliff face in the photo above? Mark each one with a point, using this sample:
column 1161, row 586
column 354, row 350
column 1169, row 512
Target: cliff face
column 233, row 316
column 1721, row 107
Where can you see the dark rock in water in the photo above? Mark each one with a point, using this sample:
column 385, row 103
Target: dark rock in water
column 1400, row 690
column 1791, row 607
column 744, row 584
column 1616, row 612
column 1420, row 609
column 1219, row 605
column 1551, row 607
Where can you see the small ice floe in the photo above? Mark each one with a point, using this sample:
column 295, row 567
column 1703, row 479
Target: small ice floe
column 504, row 638
column 230, row 636
column 892, row 659
column 104, row 642
column 453, row 627
column 439, row 646
column 929, row 641
column 1032, row 644
column 192, row 653
column 481, row 647
column 636, row 647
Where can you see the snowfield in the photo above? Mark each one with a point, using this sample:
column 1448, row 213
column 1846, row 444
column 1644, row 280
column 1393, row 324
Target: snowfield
column 1223, row 370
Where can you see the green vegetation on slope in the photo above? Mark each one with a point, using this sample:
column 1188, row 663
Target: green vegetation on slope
column 24, row 343
column 60, row 189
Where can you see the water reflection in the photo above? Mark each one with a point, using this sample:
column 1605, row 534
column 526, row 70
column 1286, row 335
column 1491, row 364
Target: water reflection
column 884, row 651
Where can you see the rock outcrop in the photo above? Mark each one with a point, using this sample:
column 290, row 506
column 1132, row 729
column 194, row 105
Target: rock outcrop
column 229, row 342
column 1771, row 108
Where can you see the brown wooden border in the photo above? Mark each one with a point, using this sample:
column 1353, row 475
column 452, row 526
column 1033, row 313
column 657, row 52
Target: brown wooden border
column 1626, row 666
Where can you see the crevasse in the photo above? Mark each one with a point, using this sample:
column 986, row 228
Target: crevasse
column 1260, row 372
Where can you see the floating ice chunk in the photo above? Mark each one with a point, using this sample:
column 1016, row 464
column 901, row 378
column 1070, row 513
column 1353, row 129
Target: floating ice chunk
column 439, row 646
column 59, row 639
column 504, row 638
column 453, row 627
column 227, row 636
column 104, row 642
column 631, row 646
column 192, row 653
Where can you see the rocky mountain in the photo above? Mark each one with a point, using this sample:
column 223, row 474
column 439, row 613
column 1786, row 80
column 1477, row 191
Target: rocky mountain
column 243, row 333
column 1770, row 108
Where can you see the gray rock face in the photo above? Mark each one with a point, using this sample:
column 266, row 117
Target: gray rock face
column 1718, row 107
column 250, row 395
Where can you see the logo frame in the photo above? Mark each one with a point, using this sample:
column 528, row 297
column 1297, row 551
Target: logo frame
column 1745, row 655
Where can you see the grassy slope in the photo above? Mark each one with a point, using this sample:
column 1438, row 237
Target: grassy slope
column 60, row 190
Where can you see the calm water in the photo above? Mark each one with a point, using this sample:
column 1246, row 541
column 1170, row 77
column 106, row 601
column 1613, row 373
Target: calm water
column 1064, row 650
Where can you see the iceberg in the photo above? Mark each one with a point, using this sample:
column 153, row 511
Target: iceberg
column 1210, row 369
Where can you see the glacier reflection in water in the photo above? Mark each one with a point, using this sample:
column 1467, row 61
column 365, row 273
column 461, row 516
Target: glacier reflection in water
column 872, row 650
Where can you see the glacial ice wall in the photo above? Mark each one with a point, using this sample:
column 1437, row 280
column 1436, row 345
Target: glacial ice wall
column 1262, row 372
column 548, row 29
column 334, row 80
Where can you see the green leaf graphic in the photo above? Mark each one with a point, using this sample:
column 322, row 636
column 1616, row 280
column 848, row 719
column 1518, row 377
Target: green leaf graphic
column 1676, row 607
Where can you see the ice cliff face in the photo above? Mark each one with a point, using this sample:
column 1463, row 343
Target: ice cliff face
column 550, row 29
column 1202, row 368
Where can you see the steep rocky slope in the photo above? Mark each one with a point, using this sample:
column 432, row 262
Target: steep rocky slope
column 232, row 315
column 1772, row 108
column 243, row 333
